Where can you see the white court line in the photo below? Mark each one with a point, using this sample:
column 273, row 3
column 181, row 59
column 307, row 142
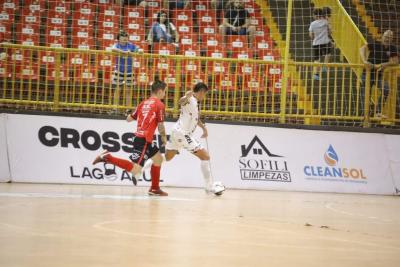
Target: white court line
column 88, row 196
column 101, row 226
column 368, row 246
column 329, row 206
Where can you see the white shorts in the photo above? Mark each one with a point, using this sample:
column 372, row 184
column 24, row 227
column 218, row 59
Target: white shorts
column 178, row 140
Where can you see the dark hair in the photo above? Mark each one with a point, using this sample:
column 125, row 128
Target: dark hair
column 122, row 34
column 317, row 12
column 158, row 85
column 200, row 86
column 159, row 18
column 326, row 11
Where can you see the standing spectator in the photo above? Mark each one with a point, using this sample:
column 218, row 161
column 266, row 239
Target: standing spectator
column 123, row 72
column 163, row 30
column 377, row 56
column 319, row 32
column 237, row 22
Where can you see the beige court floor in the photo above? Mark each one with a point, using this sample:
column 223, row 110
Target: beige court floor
column 75, row 225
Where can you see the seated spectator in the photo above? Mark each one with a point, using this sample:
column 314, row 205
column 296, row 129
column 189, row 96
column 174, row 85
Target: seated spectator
column 237, row 22
column 163, row 30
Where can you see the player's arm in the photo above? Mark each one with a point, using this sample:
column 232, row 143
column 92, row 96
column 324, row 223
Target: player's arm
column 131, row 116
column 185, row 99
column 204, row 128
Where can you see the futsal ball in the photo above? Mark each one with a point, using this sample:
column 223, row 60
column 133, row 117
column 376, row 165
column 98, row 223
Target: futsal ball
column 218, row 188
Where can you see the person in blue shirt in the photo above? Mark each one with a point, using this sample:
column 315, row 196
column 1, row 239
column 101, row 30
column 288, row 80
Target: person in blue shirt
column 163, row 30
column 123, row 71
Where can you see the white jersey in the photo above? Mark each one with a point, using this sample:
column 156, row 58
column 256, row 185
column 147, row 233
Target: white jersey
column 320, row 28
column 189, row 117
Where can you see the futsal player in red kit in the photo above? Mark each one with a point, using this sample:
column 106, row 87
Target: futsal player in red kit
column 149, row 115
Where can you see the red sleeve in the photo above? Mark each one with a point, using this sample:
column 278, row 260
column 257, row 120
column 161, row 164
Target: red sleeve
column 135, row 113
column 160, row 111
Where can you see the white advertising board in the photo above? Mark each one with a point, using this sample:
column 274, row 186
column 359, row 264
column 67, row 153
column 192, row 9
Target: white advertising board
column 52, row 149
column 4, row 168
column 393, row 148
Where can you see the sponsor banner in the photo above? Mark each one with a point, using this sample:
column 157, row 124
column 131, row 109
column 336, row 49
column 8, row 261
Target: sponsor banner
column 393, row 148
column 4, row 168
column 50, row 149
column 301, row 160
column 60, row 150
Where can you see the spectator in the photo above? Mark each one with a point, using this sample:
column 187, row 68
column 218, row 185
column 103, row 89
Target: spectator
column 377, row 56
column 123, row 72
column 237, row 22
column 163, row 30
column 319, row 32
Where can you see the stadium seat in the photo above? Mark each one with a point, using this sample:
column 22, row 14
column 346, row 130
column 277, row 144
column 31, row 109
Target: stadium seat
column 207, row 17
column 106, row 66
column 182, row 15
column 244, row 53
column 56, row 36
column 47, row 59
column 28, row 34
column 5, row 31
column 164, row 49
column 236, row 42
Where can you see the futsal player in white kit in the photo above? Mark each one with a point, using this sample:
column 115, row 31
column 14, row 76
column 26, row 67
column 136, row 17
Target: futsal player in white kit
column 181, row 135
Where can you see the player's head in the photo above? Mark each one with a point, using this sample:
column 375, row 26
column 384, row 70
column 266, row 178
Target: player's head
column 387, row 37
column 123, row 37
column 158, row 89
column 200, row 90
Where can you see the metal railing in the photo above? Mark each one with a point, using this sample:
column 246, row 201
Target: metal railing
column 55, row 79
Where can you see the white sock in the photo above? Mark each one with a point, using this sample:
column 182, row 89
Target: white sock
column 205, row 169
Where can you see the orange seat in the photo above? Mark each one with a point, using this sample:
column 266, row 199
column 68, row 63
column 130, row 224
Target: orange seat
column 56, row 36
column 164, row 49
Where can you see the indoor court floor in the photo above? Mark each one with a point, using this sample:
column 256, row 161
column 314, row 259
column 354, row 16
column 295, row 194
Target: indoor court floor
column 92, row 225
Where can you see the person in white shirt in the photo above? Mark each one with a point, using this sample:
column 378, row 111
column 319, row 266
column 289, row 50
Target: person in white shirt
column 319, row 32
column 181, row 135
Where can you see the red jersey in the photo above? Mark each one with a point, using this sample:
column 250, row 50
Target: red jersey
column 148, row 114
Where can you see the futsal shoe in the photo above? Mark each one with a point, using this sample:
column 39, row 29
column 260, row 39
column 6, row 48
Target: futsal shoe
column 100, row 158
column 157, row 192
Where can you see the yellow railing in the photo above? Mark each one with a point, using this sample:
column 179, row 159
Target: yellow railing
column 54, row 79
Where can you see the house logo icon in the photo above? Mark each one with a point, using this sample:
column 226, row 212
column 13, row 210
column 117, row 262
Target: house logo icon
column 258, row 163
column 256, row 150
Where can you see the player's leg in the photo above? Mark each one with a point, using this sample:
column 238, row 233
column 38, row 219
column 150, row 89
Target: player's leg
column 154, row 154
column 129, row 166
column 174, row 144
column 204, row 157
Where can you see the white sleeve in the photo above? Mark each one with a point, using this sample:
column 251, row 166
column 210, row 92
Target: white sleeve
column 311, row 27
column 172, row 26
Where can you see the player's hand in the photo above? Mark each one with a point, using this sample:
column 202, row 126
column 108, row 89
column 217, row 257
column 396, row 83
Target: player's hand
column 205, row 133
column 128, row 112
